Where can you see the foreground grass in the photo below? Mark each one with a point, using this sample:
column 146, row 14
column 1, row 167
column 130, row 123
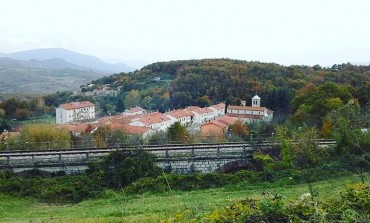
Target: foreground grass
column 119, row 207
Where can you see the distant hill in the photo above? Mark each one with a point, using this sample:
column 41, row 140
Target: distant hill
column 84, row 61
column 42, row 76
column 47, row 64
column 44, row 71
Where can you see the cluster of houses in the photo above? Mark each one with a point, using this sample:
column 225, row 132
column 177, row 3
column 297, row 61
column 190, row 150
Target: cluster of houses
column 77, row 117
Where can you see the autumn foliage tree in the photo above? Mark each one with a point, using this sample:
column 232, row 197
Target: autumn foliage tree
column 239, row 128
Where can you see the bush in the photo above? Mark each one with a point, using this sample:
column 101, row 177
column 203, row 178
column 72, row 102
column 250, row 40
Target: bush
column 352, row 205
column 62, row 189
column 123, row 167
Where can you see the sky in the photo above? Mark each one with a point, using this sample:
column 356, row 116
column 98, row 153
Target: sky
column 139, row 32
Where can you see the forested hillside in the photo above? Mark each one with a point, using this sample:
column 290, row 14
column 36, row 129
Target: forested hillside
column 208, row 81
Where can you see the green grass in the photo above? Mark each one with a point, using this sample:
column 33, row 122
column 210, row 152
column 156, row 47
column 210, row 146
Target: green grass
column 119, row 207
column 36, row 120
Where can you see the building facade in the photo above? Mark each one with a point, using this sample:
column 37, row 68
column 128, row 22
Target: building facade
column 250, row 113
column 75, row 112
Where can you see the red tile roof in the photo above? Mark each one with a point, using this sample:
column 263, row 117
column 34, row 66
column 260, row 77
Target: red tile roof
column 192, row 108
column 153, row 118
column 216, row 122
column 180, row 113
column 228, row 120
column 199, row 110
column 219, row 106
column 76, row 105
column 78, row 127
column 135, row 130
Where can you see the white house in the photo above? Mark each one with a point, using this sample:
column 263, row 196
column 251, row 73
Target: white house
column 156, row 121
column 219, row 110
column 201, row 115
column 181, row 115
column 250, row 113
column 75, row 111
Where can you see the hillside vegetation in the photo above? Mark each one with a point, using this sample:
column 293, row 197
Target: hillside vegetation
column 209, row 81
column 306, row 94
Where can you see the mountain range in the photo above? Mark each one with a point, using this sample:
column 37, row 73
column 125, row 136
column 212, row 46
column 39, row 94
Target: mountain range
column 38, row 57
column 43, row 71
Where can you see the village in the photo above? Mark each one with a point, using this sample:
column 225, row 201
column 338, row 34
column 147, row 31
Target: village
column 78, row 117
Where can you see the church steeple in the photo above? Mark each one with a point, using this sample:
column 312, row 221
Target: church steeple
column 256, row 101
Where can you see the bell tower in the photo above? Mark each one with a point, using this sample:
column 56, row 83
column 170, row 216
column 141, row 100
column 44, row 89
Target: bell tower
column 256, row 101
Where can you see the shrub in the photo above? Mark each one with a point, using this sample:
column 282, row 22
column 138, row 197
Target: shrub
column 351, row 206
column 122, row 167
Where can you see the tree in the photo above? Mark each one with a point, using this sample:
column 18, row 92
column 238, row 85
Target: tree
column 122, row 167
column 346, row 124
column 177, row 132
column 239, row 128
column 2, row 113
column 120, row 106
column 132, row 99
column 305, row 152
column 38, row 135
column 147, row 102
column 204, row 101
column 283, row 137
column 3, row 123
column 313, row 103
column 21, row 114
column 110, row 109
column 100, row 136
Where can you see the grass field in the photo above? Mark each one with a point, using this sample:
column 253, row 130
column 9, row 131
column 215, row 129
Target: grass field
column 37, row 120
column 119, row 207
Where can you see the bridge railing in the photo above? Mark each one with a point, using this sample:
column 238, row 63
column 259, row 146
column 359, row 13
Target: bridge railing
column 12, row 145
column 163, row 153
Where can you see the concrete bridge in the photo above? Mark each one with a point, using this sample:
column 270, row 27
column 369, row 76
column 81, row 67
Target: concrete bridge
column 204, row 158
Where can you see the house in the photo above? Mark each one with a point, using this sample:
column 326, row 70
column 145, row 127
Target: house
column 76, row 128
column 250, row 113
column 134, row 111
column 201, row 115
column 229, row 121
column 181, row 115
column 219, row 110
column 218, row 127
column 141, row 131
column 75, row 111
column 156, row 121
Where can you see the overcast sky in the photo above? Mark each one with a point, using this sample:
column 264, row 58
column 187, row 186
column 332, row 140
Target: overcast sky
column 287, row 32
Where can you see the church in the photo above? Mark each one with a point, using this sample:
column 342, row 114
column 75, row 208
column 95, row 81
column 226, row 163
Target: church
column 250, row 113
